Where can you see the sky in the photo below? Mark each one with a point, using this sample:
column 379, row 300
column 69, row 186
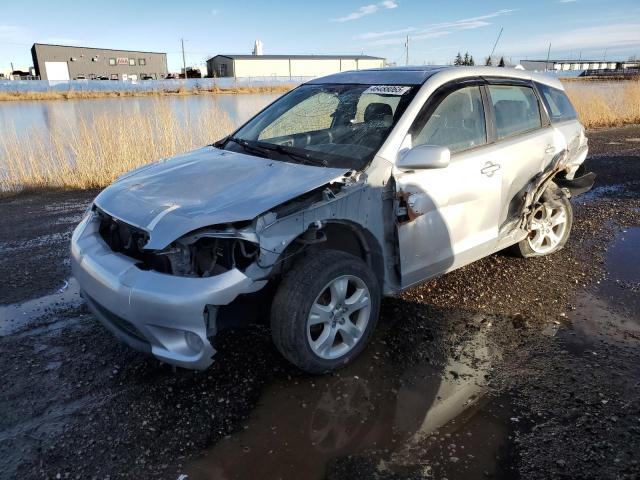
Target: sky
column 437, row 29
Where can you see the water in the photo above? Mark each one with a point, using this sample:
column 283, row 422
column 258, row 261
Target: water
column 29, row 117
column 16, row 316
column 373, row 405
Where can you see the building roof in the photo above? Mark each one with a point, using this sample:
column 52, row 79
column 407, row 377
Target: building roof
column 300, row 57
column 95, row 48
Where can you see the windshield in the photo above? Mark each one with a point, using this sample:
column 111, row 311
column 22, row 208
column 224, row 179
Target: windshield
column 328, row 125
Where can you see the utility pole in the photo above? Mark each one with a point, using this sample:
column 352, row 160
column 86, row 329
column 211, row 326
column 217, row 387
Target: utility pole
column 546, row 65
column 406, row 46
column 496, row 44
column 604, row 57
column 184, row 63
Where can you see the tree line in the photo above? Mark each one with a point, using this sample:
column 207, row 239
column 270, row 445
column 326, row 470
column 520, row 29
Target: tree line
column 468, row 61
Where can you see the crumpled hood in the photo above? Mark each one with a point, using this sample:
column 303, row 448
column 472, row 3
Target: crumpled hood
column 206, row 187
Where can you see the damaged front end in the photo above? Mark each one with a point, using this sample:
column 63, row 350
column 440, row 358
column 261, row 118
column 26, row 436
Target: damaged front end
column 206, row 252
column 169, row 301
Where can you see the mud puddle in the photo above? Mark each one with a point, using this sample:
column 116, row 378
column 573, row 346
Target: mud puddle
column 301, row 426
column 17, row 316
column 611, row 311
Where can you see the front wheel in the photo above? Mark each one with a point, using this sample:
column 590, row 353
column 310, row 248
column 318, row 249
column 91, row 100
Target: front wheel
column 549, row 229
column 325, row 310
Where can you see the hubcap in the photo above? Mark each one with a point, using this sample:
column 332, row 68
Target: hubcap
column 338, row 317
column 548, row 226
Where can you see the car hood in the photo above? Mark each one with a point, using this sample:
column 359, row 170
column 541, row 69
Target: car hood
column 206, row 187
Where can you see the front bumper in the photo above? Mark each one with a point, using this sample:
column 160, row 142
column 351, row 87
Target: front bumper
column 156, row 313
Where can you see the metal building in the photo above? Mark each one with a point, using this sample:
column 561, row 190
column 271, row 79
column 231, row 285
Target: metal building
column 287, row 65
column 564, row 65
column 60, row 62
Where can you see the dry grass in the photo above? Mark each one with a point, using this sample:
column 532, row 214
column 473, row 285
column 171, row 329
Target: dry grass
column 606, row 104
column 79, row 94
column 100, row 150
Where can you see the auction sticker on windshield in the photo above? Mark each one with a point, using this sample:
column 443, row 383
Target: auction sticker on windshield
column 387, row 89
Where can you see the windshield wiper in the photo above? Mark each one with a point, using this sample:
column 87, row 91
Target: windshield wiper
column 264, row 148
column 249, row 147
column 296, row 155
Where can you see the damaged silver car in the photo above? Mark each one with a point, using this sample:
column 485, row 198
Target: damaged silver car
column 350, row 187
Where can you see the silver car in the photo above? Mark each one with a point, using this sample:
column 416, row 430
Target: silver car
column 350, row 187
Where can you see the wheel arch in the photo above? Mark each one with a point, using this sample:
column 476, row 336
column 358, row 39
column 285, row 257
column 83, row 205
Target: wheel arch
column 342, row 235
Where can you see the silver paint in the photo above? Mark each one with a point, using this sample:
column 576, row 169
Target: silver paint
column 458, row 213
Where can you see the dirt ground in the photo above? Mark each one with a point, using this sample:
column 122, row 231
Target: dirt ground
column 507, row 368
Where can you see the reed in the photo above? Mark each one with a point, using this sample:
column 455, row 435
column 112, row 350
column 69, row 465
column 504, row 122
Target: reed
column 94, row 154
column 605, row 104
column 82, row 94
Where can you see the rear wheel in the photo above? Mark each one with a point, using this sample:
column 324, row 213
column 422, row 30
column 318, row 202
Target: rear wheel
column 549, row 229
column 325, row 310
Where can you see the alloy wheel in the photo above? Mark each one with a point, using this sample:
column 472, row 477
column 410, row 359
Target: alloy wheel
column 548, row 226
column 338, row 317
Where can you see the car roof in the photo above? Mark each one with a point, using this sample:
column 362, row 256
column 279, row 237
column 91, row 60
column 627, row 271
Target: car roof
column 417, row 75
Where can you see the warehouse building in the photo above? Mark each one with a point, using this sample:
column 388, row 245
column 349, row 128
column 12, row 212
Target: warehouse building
column 59, row 62
column 240, row 66
column 567, row 65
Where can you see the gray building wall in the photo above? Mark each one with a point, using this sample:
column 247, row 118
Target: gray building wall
column 97, row 62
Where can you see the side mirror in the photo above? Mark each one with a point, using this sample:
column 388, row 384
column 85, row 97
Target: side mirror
column 423, row 157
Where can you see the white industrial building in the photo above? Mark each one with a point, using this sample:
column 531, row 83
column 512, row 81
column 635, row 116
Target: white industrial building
column 566, row 65
column 242, row 66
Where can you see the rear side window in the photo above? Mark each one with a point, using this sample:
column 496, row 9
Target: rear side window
column 557, row 103
column 457, row 122
column 516, row 109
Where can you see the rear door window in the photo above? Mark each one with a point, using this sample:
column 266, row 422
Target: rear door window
column 557, row 103
column 516, row 109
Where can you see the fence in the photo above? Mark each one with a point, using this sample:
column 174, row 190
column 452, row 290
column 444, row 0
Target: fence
column 27, row 86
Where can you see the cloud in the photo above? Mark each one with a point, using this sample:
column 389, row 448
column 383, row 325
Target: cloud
column 390, row 37
column 567, row 1
column 386, row 33
column 215, row 12
column 597, row 38
column 13, row 33
column 367, row 10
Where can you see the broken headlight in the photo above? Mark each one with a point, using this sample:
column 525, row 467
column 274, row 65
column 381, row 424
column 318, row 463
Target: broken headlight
column 206, row 255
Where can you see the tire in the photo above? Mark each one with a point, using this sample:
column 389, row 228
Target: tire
column 553, row 236
column 324, row 340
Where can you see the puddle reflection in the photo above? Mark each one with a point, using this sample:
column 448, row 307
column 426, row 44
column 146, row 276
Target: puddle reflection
column 375, row 404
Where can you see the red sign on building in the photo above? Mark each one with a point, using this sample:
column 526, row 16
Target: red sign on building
column 122, row 61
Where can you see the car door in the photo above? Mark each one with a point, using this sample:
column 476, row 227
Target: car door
column 448, row 217
column 565, row 120
column 525, row 142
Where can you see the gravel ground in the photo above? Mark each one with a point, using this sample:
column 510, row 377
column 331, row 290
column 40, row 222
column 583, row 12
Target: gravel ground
column 556, row 391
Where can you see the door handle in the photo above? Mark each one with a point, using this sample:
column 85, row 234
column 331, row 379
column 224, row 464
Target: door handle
column 489, row 169
column 550, row 149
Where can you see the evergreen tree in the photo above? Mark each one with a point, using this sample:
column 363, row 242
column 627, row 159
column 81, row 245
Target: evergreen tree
column 458, row 60
column 488, row 62
column 501, row 64
column 465, row 61
column 471, row 62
